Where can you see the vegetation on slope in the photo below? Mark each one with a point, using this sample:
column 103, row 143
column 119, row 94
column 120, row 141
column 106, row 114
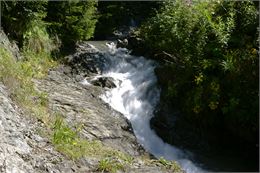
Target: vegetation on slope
column 35, row 36
column 72, row 20
column 211, row 72
column 65, row 22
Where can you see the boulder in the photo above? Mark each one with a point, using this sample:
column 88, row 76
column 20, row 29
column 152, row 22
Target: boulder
column 104, row 82
column 86, row 61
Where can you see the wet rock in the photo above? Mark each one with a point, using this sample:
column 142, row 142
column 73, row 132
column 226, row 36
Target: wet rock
column 99, row 121
column 104, row 82
column 122, row 32
column 85, row 47
column 86, row 60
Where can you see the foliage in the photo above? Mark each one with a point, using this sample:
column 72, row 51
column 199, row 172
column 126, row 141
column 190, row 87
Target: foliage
column 24, row 22
column 114, row 15
column 17, row 17
column 169, row 165
column 30, row 23
column 36, row 38
column 110, row 165
column 72, row 20
column 214, row 80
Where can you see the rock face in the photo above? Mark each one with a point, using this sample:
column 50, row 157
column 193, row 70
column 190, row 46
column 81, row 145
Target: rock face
column 86, row 60
column 81, row 105
column 22, row 149
column 5, row 42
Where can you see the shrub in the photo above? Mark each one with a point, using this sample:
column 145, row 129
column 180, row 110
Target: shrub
column 17, row 17
column 36, row 38
column 215, row 79
column 72, row 20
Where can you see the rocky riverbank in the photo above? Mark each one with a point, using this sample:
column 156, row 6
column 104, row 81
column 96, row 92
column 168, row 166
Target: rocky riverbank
column 26, row 147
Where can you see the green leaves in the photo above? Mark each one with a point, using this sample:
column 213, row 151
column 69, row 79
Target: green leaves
column 217, row 44
column 73, row 20
column 62, row 133
column 18, row 15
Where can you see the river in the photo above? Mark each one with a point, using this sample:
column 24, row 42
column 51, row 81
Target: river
column 136, row 96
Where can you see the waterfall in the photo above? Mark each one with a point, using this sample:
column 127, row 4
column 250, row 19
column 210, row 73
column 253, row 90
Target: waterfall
column 135, row 96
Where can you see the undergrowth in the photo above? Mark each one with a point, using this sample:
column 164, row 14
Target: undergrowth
column 17, row 76
column 169, row 165
column 68, row 142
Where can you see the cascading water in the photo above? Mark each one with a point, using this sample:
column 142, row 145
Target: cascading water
column 136, row 96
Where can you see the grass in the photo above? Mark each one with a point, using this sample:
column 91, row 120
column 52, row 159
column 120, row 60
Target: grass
column 114, row 161
column 110, row 165
column 68, row 142
column 17, row 77
column 168, row 165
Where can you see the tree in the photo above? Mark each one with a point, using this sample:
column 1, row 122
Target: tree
column 72, row 20
column 114, row 15
column 18, row 16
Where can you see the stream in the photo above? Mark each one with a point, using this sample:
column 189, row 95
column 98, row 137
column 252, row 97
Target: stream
column 135, row 96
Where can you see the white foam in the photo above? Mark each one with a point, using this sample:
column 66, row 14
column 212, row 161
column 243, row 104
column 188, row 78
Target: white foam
column 136, row 96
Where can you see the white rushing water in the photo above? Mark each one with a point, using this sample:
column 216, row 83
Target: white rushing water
column 136, row 96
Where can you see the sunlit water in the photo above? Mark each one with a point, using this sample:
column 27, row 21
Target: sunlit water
column 135, row 96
